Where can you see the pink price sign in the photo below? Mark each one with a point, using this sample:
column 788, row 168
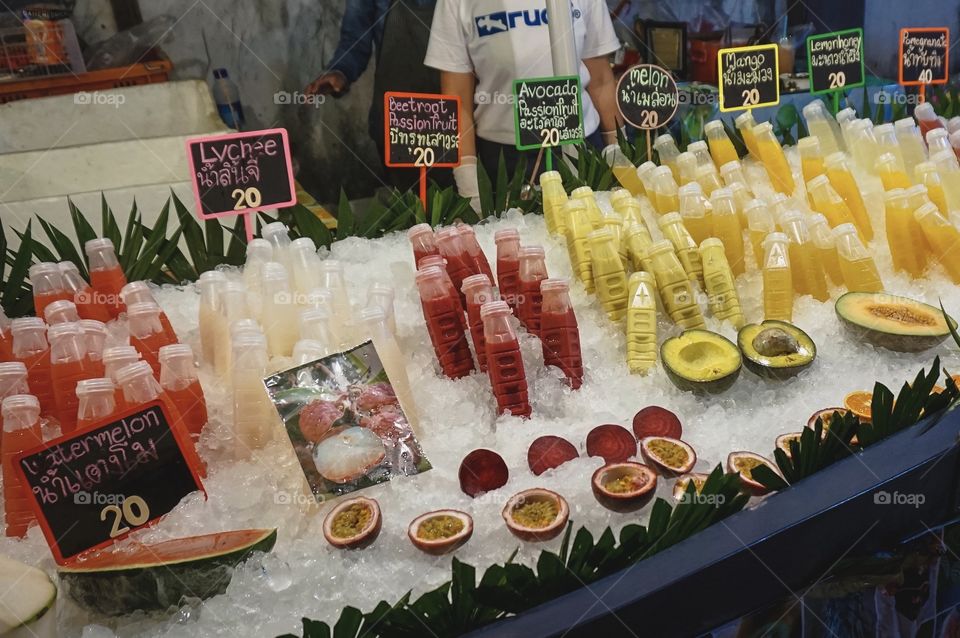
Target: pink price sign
column 241, row 174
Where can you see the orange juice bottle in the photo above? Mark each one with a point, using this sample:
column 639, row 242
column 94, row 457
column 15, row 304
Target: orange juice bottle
column 638, row 243
column 139, row 292
column 927, row 175
column 860, row 273
column 21, row 432
column 912, row 147
column 771, row 154
column 665, row 191
column 693, row 209
column 811, row 158
column 687, row 168
column 942, row 236
column 6, row 339
column 721, row 148
column 642, row 323
column 13, row 379
column 578, row 229
column 908, row 247
column 667, row 152
column 96, row 402
column 726, row 228
column 609, row 275
column 826, row 200
column 178, row 378
column 30, row 347
column 760, row 223
column 84, row 296
column 777, row 278
column 721, row 289
column 805, row 267
column 48, row 286
column 146, row 332
column 826, row 247
column 890, row 173
column 585, row 194
column 673, row 284
column 841, row 178
column 554, row 197
column 95, row 339
column 745, row 124
column 61, row 311
column 672, row 227
column 68, row 365
column 106, row 275
column 114, row 359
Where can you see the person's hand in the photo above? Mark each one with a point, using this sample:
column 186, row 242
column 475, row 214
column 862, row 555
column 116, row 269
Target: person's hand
column 468, row 185
column 331, row 83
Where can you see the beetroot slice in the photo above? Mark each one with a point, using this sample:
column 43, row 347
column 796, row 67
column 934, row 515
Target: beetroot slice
column 482, row 471
column 549, row 452
column 612, row 442
column 657, row 421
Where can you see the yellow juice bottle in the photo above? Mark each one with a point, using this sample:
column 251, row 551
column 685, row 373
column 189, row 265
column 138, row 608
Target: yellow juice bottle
column 645, row 175
column 579, row 228
column 887, row 142
column 718, row 279
column 863, row 148
column 671, row 225
column 912, row 147
column 811, row 158
column 673, row 285
column 905, row 237
column 614, row 224
column 585, row 195
column 642, row 323
column 617, row 197
column 760, row 223
column 693, row 210
column 686, row 168
column 639, row 242
column 826, row 200
column 721, row 148
column 808, row 277
column 709, row 179
column 943, row 237
column 609, row 275
column 629, row 209
column 860, row 273
column 771, row 154
column 826, row 246
column 666, row 191
column 741, row 197
column 949, row 171
column 701, row 151
column 777, row 278
column 727, row 228
column 554, row 197
column 891, row 173
column 667, row 152
column 732, row 173
column 938, row 140
column 927, row 175
column 822, row 127
column 745, row 124
column 917, row 196
column 623, row 169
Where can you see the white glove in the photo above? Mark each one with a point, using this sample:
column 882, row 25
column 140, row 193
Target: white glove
column 468, row 185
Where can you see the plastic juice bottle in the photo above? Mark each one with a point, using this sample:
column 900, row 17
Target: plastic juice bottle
column 890, row 173
column 732, row 173
column 211, row 284
column 771, row 154
column 701, row 150
column 726, row 228
column 459, row 265
column 585, row 195
column 667, row 152
column 559, row 331
column 665, row 191
column 393, row 361
column 686, row 248
column 642, row 323
column 687, row 168
column 741, row 197
column 382, row 296
column 95, row 339
column 21, row 432
column 13, row 379
column 865, row 148
column 693, row 210
column 68, row 365
column 953, row 124
column 887, row 142
column 628, row 208
column 478, row 290
column 47, row 286
column 233, row 307
column 614, row 223
column 719, row 282
column 438, row 262
column 826, row 247
column 306, row 265
column 146, row 332
column 623, row 169
column 578, row 229
column 645, row 173
column 949, row 171
column 760, row 223
column 638, row 243
column 279, row 237
column 955, row 143
column 822, row 127
column 617, row 197
column 554, row 197
column 927, row 118
column 746, row 124
column 912, row 147
column 6, row 339
column 847, row 118
column 444, row 317
column 30, row 347
column 178, row 378
column 468, row 239
column 507, row 374
column 332, row 278
column 533, row 270
column 777, row 278
column 61, row 311
column 827, row 200
column 805, row 267
column 279, row 315
column 83, row 295
column 709, row 178
column 139, row 292
column 106, row 275
column 114, row 359
column 721, row 148
column 508, row 264
column 609, row 274
column 942, row 236
column 259, row 252
column 674, row 287
column 927, row 175
column 308, row 350
column 811, row 158
column 315, row 326
column 842, row 180
column 860, row 273
column 938, row 140
column 905, row 237
column 253, row 411
column 423, row 241
column 96, row 402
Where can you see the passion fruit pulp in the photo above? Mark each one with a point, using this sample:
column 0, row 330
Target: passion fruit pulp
column 548, row 452
column 744, row 463
column 783, row 441
column 624, row 487
column 656, row 421
column 614, row 443
column 353, row 524
column 680, row 487
column 670, row 457
column 482, row 471
column 536, row 515
column 440, row 532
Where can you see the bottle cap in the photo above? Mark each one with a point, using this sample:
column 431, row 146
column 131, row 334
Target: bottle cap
column 661, row 246
column 661, row 172
column 713, row 128
column 61, row 330
column 142, row 309
column 533, row 252
column 809, row 147
column 554, row 285
column 664, row 140
column 745, row 119
column 475, row 281
column 925, row 111
column 244, row 325
column 465, row 230
column 494, row 308
column 95, row 334
column 691, row 189
column 845, row 229
column 436, row 261
column 780, row 238
column 61, row 311
column 670, row 219
column 836, row 160
column 814, row 110
column 380, row 289
column 699, row 145
column 818, row 182
column 602, row 235
column 259, row 249
column 27, row 324
column 329, row 266
column 906, row 123
column 927, row 209
column 274, row 274
column 13, row 405
column 711, row 242
column 133, row 371
column 763, row 129
column 576, row 204
column 101, row 254
column 136, row 292
column 641, row 276
column 46, row 278
column 249, row 341
column 725, row 192
column 550, row 176
column 303, row 244
column 275, row 230
column 175, row 351
column 120, row 353
column 508, row 234
column 95, row 386
column 418, row 230
column 584, row 192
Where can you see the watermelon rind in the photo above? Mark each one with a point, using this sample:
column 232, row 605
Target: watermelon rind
column 26, row 595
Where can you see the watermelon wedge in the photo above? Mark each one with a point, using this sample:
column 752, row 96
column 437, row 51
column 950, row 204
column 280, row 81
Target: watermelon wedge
column 156, row 577
column 27, row 596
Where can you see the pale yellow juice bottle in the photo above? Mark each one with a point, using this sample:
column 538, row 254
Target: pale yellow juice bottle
column 777, row 278
column 905, row 237
column 701, row 151
column 808, row 277
column 666, row 191
column 826, row 200
column 721, row 148
column 732, row 173
column 623, row 169
column 693, row 209
column 617, row 198
column 741, row 197
column 949, row 171
column 674, row 287
column 863, row 148
column 645, row 175
column 686, row 168
column 771, row 154
column 629, row 209
column 927, row 175
column 745, row 124
column 554, row 197
column 609, row 275
column 860, row 272
column 614, row 224
column 671, row 225
column 912, row 147
column 891, row 173
column 822, row 127
column 719, row 282
column 709, row 179
column 887, row 142
column 585, row 195
column 639, row 242
column 642, row 323
column 917, row 196
column 811, row 158
column 760, row 223
column 727, row 228
column 579, row 228
column 667, row 152
column 826, row 246
column 943, row 237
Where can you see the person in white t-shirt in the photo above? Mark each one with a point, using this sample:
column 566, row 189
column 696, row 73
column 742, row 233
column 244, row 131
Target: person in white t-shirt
column 482, row 46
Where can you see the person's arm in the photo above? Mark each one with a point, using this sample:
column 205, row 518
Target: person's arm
column 353, row 52
column 603, row 93
column 463, row 85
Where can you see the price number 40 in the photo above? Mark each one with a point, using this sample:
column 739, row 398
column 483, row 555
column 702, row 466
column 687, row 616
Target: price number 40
column 926, row 76
column 134, row 511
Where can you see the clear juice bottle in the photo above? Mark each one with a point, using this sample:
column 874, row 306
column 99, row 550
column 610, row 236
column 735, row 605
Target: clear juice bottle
column 554, row 197
column 701, row 150
column 253, row 411
column 726, row 228
column 146, row 332
column 741, row 197
column 533, row 270
column 811, row 158
column 623, row 169
column 860, row 273
column 332, row 278
column 693, row 209
column 721, row 148
column 771, row 154
column 709, row 179
column 927, row 118
column 639, row 241
column 95, row 336
column 578, row 229
column 674, row 287
column 559, row 331
column 645, row 174
column 888, row 169
column 84, row 296
column 927, row 175
column 847, row 118
column 423, row 242
column 211, row 284
column 61, row 311
column 826, row 200
column 938, row 140
column 259, row 252
column 667, row 152
column 887, row 142
column 687, row 168
column 864, row 148
column 507, row 375
column 777, row 278
column 444, row 317
column 953, row 124
column 949, row 171
column 179, row 379
column 585, row 194
column 68, row 365
column 905, row 238
column 732, row 173
column 13, row 379
column 106, row 275
column 642, row 323
column 315, row 326
column 30, row 347
column 943, row 237
column 468, row 239
column 96, row 402
column 745, row 124
column 21, row 432
column 823, row 127
column 609, row 275
column 6, row 338
column 278, row 235
column 721, row 289
column 233, row 307
column 382, row 296
column 279, row 314
column 478, row 290
column 805, row 267
column 666, row 191
column 393, row 361
column 760, row 223
column 508, row 264
column 305, row 264
column 307, row 351
column 139, row 292
column 47, row 286
column 912, row 147
column 826, row 247
column 672, row 227
column 842, row 180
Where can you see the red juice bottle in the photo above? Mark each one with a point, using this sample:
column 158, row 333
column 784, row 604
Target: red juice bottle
column 96, row 402
column 468, row 239
column 47, row 286
column 178, row 378
column 559, row 332
column 478, row 291
column 139, row 292
column 6, row 339
column 533, row 270
column 146, row 332
column 30, row 347
column 95, row 337
column 60, row 311
column 504, row 363
column 440, row 262
column 84, row 296
column 444, row 316
column 508, row 265
column 423, row 241
column 68, row 365
column 106, row 275
column 115, row 359
column 927, row 118
column 459, row 264
column 21, row 432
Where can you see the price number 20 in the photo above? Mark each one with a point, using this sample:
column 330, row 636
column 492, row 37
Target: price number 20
column 134, row 511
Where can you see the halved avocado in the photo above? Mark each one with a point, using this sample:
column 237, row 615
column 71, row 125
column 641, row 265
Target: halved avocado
column 776, row 349
column 895, row 323
column 701, row 361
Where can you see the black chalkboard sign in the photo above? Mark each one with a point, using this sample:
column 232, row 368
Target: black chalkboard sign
column 241, row 173
column 749, row 77
column 647, row 96
column 421, row 130
column 836, row 61
column 548, row 112
column 90, row 488
column 924, row 56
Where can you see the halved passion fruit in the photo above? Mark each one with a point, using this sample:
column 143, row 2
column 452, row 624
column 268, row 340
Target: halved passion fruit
column 440, row 532
column 671, row 457
column 744, row 463
column 776, row 349
column 624, row 487
column 828, row 417
column 482, row 471
column 783, row 441
column 536, row 514
column 612, row 442
column 702, row 362
column 680, row 487
column 548, row 452
column 353, row 524
column 656, row 421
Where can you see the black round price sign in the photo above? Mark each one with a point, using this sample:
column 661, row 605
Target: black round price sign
column 647, row 96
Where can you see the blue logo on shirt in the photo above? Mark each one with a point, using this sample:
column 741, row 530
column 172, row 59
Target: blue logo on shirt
column 503, row 21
